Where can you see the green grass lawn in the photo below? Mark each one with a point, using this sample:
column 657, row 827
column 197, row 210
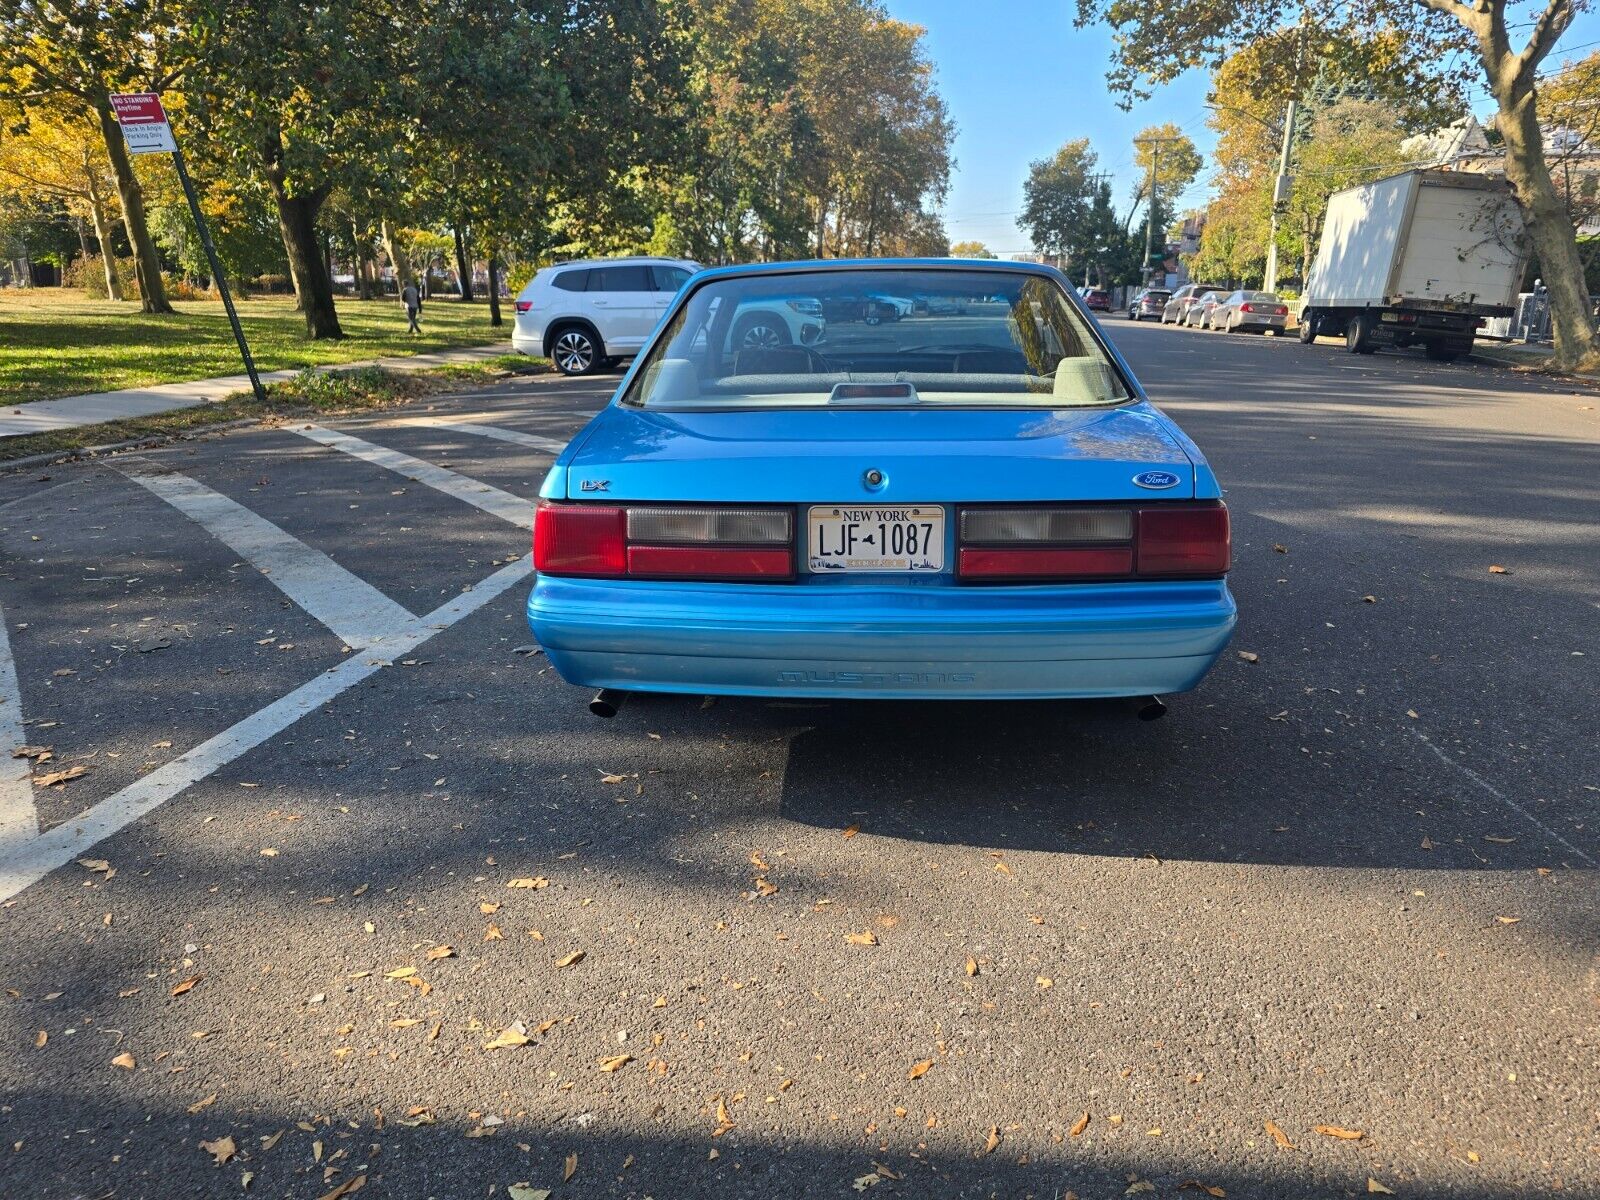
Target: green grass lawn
column 56, row 342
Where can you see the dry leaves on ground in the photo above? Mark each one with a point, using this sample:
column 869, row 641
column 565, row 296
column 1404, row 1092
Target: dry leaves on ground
column 514, row 1035
column 577, row 956
column 1334, row 1131
column 1497, row 569
column 200, row 1106
column 615, row 1062
column 348, row 1188
column 51, row 778
column 221, row 1149
column 991, row 1142
column 439, row 952
column 851, row 830
column 918, row 1070
column 536, row 881
column 1377, row 1189
column 1249, row 656
column 1200, row 1187
column 1079, row 1125
column 1279, row 1136
column 867, row 938
column 187, row 985
column 125, row 1060
column 570, row 1167
column 972, row 967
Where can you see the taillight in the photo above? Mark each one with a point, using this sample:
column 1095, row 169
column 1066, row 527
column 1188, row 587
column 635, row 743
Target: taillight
column 1249, row 308
column 1280, row 311
column 1184, row 540
column 663, row 542
column 524, row 305
column 1020, row 545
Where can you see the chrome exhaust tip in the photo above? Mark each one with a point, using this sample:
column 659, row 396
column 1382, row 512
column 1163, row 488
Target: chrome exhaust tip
column 607, row 701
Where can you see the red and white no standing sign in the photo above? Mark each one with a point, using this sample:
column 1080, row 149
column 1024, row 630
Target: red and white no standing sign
column 144, row 123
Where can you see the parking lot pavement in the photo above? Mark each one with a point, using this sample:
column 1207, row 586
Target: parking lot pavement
column 350, row 886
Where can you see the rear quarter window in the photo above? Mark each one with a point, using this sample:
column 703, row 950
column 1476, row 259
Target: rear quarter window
column 571, row 281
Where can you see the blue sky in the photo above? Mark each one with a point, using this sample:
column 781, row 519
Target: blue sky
column 1020, row 80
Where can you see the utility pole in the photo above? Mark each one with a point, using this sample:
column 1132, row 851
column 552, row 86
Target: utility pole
column 1155, row 145
column 1281, row 187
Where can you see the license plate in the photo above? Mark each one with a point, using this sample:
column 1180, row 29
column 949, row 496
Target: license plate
column 905, row 538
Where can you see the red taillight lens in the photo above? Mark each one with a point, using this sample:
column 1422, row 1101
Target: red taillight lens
column 524, row 305
column 660, row 542
column 1280, row 311
column 1046, row 562
column 1249, row 308
column 708, row 562
column 580, row 539
column 1184, row 541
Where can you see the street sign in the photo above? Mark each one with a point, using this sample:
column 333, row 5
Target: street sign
column 147, row 131
column 144, row 123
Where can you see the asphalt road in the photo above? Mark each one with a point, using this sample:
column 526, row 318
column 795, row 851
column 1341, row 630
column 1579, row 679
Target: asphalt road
column 1348, row 883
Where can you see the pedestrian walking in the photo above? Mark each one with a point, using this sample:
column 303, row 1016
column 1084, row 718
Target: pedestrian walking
column 412, row 299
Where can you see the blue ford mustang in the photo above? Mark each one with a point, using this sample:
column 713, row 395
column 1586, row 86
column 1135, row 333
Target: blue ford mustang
column 976, row 501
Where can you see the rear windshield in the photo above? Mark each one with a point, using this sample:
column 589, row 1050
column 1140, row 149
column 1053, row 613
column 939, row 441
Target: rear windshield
column 889, row 337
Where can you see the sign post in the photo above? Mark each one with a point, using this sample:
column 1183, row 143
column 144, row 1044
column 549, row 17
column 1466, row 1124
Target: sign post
column 146, row 130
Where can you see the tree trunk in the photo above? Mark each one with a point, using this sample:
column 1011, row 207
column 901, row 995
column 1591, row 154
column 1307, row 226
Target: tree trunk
column 146, row 265
column 102, row 233
column 463, row 265
column 1549, row 228
column 363, row 278
column 494, row 289
column 397, row 262
column 297, row 221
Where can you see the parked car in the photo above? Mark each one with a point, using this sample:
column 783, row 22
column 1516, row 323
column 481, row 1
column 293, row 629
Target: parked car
column 866, row 309
column 1097, row 299
column 1149, row 303
column 1256, row 312
column 1199, row 311
column 585, row 315
column 1176, row 311
column 1026, row 524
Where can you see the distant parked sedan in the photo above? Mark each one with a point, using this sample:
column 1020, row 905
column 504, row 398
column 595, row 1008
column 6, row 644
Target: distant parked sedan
column 1183, row 299
column 978, row 507
column 1199, row 312
column 1151, row 302
column 1253, row 311
column 1097, row 299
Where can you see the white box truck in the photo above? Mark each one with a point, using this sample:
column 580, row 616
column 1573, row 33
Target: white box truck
column 1420, row 258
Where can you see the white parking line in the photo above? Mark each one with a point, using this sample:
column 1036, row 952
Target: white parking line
column 469, row 425
column 353, row 609
column 1500, row 796
column 514, row 509
column 19, row 820
column 62, row 843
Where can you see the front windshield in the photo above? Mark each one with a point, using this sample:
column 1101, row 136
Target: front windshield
column 877, row 337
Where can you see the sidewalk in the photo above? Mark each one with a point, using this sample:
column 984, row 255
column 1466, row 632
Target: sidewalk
column 69, row 412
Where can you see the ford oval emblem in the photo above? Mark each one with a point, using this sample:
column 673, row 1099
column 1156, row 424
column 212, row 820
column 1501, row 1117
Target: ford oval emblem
column 1156, row 479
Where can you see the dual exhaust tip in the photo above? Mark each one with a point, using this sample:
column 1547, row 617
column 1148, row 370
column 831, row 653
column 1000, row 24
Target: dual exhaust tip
column 607, row 702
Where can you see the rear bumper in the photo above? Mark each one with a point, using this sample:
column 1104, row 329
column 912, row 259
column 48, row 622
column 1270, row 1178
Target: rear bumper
column 1083, row 640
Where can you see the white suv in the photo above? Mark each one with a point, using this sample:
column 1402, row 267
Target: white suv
column 583, row 315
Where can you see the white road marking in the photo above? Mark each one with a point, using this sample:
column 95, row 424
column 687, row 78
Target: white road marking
column 469, row 425
column 353, row 609
column 62, row 843
column 19, row 819
column 514, row 509
column 1501, row 796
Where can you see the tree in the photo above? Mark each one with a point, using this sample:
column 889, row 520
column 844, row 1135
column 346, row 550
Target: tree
column 1571, row 105
column 1159, row 39
column 1174, row 159
column 87, row 51
column 971, row 250
column 1058, row 199
column 52, row 150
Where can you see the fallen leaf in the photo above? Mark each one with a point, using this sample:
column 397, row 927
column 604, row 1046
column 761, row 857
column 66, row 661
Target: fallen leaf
column 1369, row 599
column 400, row 973
column 992, row 1141
column 918, row 1070
column 1200, row 1187
column 125, row 1060
column 268, row 852
column 488, row 909
column 493, row 934
column 348, row 1188
column 1427, row 844
column 439, row 952
column 1139, row 1186
column 1249, row 657
column 725, row 1119
column 577, row 956
column 850, row 831
column 40, row 1038
column 1333, row 1131
column 1376, row 1188
column 862, row 1182
column 271, row 1140
column 201, row 1105
column 1279, row 1136
column 515, row 1035
column 615, row 1062
column 246, row 1179
column 1043, row 982
column 972, row 967
column 1494, row 569
column 537, row 881
column 187, row 985
column 98, row 865
column 221, row 1149
column 51, row 778
column 1508, row 920
column 764, row 888
column 570, row 1168
column 1280, row 548
column 35, row 753
column 868, row 938
column 1079, row 1125
column 1498, row 841
column 523, row 1191
column 1001, row 867
column 404, row 1022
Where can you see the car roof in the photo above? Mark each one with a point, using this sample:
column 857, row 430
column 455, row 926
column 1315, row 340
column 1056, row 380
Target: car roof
column 632, row 258
column 989, row 265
